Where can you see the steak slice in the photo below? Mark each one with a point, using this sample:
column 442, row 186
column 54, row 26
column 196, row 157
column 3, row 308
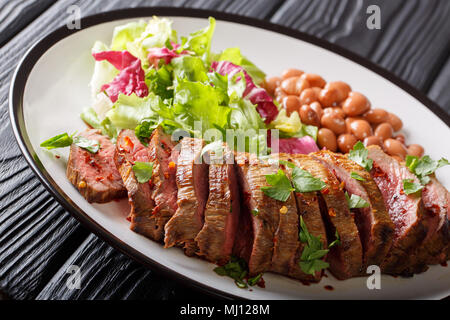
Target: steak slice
column 406, row 211
column 374, row 224
column 436, row 203
column 95, row 175
column 345, row 259
column 273, row 242
column 129, row 150
column 308, row 208
column 215, row 240
column 164, row 155
column 192, row 183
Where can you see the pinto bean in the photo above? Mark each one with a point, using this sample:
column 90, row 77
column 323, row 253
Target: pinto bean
column 291, row 72
column 346, row 142
column 308, row 96
column 361, row 129
column 327, row 139
column 375, row 116
column 317, row 108
column 356, row 104
column 314, row 80
column 395, row 122
column 272, row 84
column 415, row 150
column 373, row 140
column 395, row 148
column 301, row 85
column 291, row 104
column 384, row 131
column 334, row 122
column 309, row 116
column 289, row 85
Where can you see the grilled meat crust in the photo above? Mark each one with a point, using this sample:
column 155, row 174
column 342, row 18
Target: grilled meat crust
column 374, row 224
column 406, row 211
column 345, row 259
column 95, row 175
column 192, row 183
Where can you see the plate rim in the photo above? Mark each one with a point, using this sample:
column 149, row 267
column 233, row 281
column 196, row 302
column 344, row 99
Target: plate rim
column 35, row 52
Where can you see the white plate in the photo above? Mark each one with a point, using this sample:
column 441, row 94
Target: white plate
column 50, row 89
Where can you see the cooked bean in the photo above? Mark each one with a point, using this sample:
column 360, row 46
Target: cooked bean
column 291, row 104
column 301, row 85
column 384, row 131
column 280, row 97
column 356, row 104
column 272, row 84
column 395, row 148
column 361, row 129
column 308, row 96
column 375, row 116
column 333, row 94
column 289, row 85
column 317, row 90
column 415, row 150
column 349, row 120
column 373, row 140
column 400, row 138
column 327, row 139
column 317, row 108
column 334, row 122
column 291, row 73
column 343, row 88
column 346, row 142
column 309, row 116
column 314, row 80
column 395, row 121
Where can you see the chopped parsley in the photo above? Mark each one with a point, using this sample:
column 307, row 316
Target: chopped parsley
column 356, row 176
column 304, row 181
column 143, row 171
column 354, row 201
column 237, row 269
column 424, row 167
column 255, row 212
column 359, row 154
column 313, row 252
column 280, row 187
column 64, row 140
column 410, row 187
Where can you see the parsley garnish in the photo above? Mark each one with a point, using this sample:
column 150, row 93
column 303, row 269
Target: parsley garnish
column 304, row 181
column 236, row 269
column 64, row 140
column 424, row 167
column 359, row 155
column 280, row 187
column 355, row 201
column 143, row 171
column 409, row 187
column 255, row 212
column 313, row 252
column 356, row 176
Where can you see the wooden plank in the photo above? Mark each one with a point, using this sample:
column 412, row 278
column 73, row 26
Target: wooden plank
column 407, row 43
column 36, row 234
column 27, row 10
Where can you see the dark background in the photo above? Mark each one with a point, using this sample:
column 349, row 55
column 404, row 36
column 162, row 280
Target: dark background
column 39, row 239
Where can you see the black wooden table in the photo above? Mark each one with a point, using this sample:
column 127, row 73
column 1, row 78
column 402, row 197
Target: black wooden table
column 39, row 239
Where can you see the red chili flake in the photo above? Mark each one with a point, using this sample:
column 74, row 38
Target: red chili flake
column 261, row 283
column 128, row 142
column 99, row 179
column 331, row 212
column 57, row 157
column 444, row 264
column 330, row 288
column 433, row 210
column 402, row 192
column 305, row 283
column 110, row 177
column 129, row 218
column 166, row 175
column 156, row 210
column 326, row 191
column 342, row 185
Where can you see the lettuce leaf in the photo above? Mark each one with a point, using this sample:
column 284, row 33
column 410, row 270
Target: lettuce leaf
column 104, row 72
column 235, row 56
column 127, row 33
column 160, row 81
column 190, row 68
column 199, row 42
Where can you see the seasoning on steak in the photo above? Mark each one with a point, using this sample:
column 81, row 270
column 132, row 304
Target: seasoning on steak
column 95, row 175
column 215, row 240
column 129, row 150
column 192, row 183
column 345, row 259
column 164, row 156
column 374, row 224
column 406, row 211
column 308, row 208
column 432, row 251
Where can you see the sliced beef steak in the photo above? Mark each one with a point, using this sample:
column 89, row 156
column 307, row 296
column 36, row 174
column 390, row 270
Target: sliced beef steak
column 192, row 183
column 308, row 208
column 95, row 175
column 216, row 239
column 345, row 259
column 432, row 251
column 374, row 224
column 130, row 150
column 274, row 240
column 406, row 211
column 164, row 156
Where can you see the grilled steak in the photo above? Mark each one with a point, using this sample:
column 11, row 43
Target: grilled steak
column 95, row 175
column 406, row 211
column 192, row 182
column 436, row 203
column 164, row 155
column 374, row 224
column 130, row 149
column 345, row 259
column 216, row 239
column 274, row 240
column 308, row 208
